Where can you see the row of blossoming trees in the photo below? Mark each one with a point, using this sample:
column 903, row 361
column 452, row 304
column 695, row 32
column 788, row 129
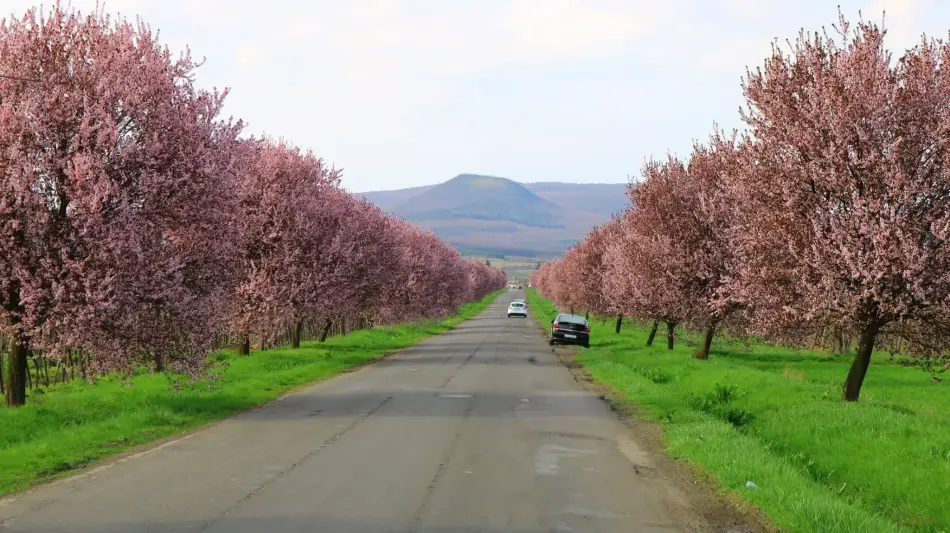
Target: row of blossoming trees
column 137, row 227
column 827, row 218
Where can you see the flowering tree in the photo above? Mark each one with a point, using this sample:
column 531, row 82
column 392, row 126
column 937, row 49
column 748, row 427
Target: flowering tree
column 286, row 198
column 114, row 200
column 843, row 198
column 433, row 280
column 637, row 280
column 647, row 273
column 136, row 227
column 546, row 279
column 701, row 234
column 484, row 279
column 356, row 264
column 584, row 265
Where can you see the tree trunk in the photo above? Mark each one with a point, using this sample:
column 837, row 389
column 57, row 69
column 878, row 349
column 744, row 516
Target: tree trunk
column 670, row 326
column 3, row 383
column 159, row 363
column 619, row 323
column 245, row 348
column 46, row 370
column 343, row 327
column 859, row 368
column 39, row 371
column 837, row 339
column 703, row 353
column 326, row 330
column 656, row 324
column 82, row 366
column 295, row 335
column 17, row 369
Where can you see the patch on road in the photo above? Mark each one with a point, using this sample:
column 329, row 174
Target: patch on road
column 547, row 458
column 569, row 435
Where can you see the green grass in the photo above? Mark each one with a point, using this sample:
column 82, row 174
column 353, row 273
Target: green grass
column 773, row 416
column 76, row 423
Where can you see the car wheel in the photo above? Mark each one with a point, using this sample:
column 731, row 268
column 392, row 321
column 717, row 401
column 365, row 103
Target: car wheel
column 586, row 345
column 551, row 342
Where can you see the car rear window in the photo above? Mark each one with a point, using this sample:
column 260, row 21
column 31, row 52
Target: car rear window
column 517, row 304
column 573, row 319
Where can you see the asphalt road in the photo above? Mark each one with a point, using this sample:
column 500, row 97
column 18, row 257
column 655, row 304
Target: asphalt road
column 476, row 430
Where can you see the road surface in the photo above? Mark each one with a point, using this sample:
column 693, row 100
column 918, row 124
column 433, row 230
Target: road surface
column 476, row 430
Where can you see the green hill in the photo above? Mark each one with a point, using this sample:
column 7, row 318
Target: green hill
column 489, row 216
column 475, row 197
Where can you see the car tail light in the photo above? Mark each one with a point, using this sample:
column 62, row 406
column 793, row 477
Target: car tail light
column 556, row 325
column 586, row 329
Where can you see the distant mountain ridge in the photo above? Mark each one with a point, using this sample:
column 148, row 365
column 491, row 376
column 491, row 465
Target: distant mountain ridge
column 489, row 215
column 471, row 196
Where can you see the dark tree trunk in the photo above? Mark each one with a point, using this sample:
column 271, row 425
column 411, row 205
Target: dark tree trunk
column 3, row 383
column 326, row 330
column 39, row 370
column 82, row 366
column 703, row 353
column 159, row 363
column 17, row 369
column 670, row 326
column 859, row 368
column 295, row 335
column 245, row 348
column 619, row 323
column 342, row 327
column 656, row 324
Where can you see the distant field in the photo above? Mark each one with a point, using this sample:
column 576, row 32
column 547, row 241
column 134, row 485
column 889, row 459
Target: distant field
column 773, row 417
column 518, row 269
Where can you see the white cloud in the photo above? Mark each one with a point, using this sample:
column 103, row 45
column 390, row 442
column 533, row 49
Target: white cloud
column 559, row 29
column 416, row 90
column 902, row 19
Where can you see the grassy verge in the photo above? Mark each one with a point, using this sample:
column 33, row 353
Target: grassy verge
column 74, row 424
column 773, row 416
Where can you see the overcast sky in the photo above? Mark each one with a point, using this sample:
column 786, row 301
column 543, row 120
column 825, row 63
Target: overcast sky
column 412, row 92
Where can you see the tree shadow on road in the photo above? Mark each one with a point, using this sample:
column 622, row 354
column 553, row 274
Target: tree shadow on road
column 273, row 524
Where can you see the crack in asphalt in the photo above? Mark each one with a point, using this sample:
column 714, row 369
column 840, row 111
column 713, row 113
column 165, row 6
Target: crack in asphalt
column 440, row 470
column 464, row 363
column 303, row 459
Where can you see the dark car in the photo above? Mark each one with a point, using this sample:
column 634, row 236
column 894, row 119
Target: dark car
column 570, row 329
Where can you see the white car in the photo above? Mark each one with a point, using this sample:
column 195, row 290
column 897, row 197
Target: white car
column 517, row 309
